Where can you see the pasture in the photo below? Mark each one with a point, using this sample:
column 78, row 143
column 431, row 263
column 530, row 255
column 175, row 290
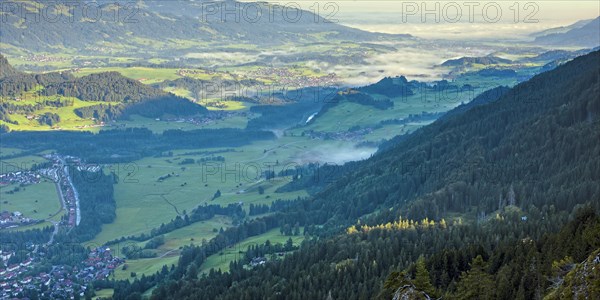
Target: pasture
column 19, row 163
column 161, row 188
column 143, row 74
column 222, row 259
column 37, row 201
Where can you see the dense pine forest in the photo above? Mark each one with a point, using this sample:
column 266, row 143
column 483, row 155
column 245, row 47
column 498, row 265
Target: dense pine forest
column 499, row 200
column 242, row 150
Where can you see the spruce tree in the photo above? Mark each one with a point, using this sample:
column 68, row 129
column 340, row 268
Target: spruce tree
column 475, row 283
column 422, row 280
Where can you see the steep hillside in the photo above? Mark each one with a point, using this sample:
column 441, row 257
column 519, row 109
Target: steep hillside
column 531, row 132
column 35, row 98
column 581, row 282
column 391, row 87
column 105, row 87
column 521, row 164
column 6, row 70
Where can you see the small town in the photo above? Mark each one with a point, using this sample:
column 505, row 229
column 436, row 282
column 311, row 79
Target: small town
column 61, row 282
column 20, row 265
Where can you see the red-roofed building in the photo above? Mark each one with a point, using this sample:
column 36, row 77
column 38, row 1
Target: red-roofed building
column 12, row 268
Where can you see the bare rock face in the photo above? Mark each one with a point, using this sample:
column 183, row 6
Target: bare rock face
column 410, row 292
column 582, row 282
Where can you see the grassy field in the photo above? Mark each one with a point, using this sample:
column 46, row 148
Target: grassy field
column 68, row 119
column 104, row 293
column 36, row 201
column 9, row 151
column 19, row 163
column 181, row 92
column 223, row 105
column 345, row 115
column 222, row 259
column 199, row 231
column 230, row 122
column 194, row 233
column 159, row 126
column 58, row 61
column 143, row 74
column 40, row 225
column 145, row 266
column 144, row 203
column 168, row 253
column 154, row 125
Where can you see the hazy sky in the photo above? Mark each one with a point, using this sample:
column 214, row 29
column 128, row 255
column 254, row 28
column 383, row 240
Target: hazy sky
column 387, row 16
column 497, row 22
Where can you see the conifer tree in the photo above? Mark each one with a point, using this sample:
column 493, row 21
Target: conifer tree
column 422, row 280
column 475, row 283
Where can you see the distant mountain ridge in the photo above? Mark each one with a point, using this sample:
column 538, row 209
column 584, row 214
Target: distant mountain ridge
column 561, row 29
column 587, row 35
column 485, row 60
column 171, row 24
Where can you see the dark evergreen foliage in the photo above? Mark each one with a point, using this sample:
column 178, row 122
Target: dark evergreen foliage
column 536, row 148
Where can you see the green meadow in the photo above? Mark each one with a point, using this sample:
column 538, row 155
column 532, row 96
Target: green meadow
column 68, row 119
column 144, row 202
column 222, row 259
column 19, row 163
column 36, row 201
column 156, row 126
column 103, row 293
column 346, row 115
column 143, row 74
column 146, row 266
column 193, row 234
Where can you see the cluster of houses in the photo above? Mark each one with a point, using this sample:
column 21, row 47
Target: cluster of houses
column 62, row 282
column 20, row 177
column 14, row 219
column 99, row 265
column 59, row 173
column 68, row 194
column 11, row 281
column 191, row 73
column 258, row 261
column 43, row 58
column 289, row 77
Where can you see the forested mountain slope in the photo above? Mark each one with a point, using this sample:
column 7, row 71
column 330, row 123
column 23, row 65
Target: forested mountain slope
column 541, row 137
column 30, row 94
column 522, row 165
column 95, row 26
column 6, row 70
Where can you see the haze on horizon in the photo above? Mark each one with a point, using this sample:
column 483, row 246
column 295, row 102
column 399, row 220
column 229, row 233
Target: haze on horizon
column 387, row 16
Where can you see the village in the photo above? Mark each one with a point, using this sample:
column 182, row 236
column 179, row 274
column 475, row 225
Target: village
column 294, row 78
column 20, row 266
column 57, row 172
column 61, row 281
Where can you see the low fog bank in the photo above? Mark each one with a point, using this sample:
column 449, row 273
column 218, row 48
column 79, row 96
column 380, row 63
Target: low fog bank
column 334, row 155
